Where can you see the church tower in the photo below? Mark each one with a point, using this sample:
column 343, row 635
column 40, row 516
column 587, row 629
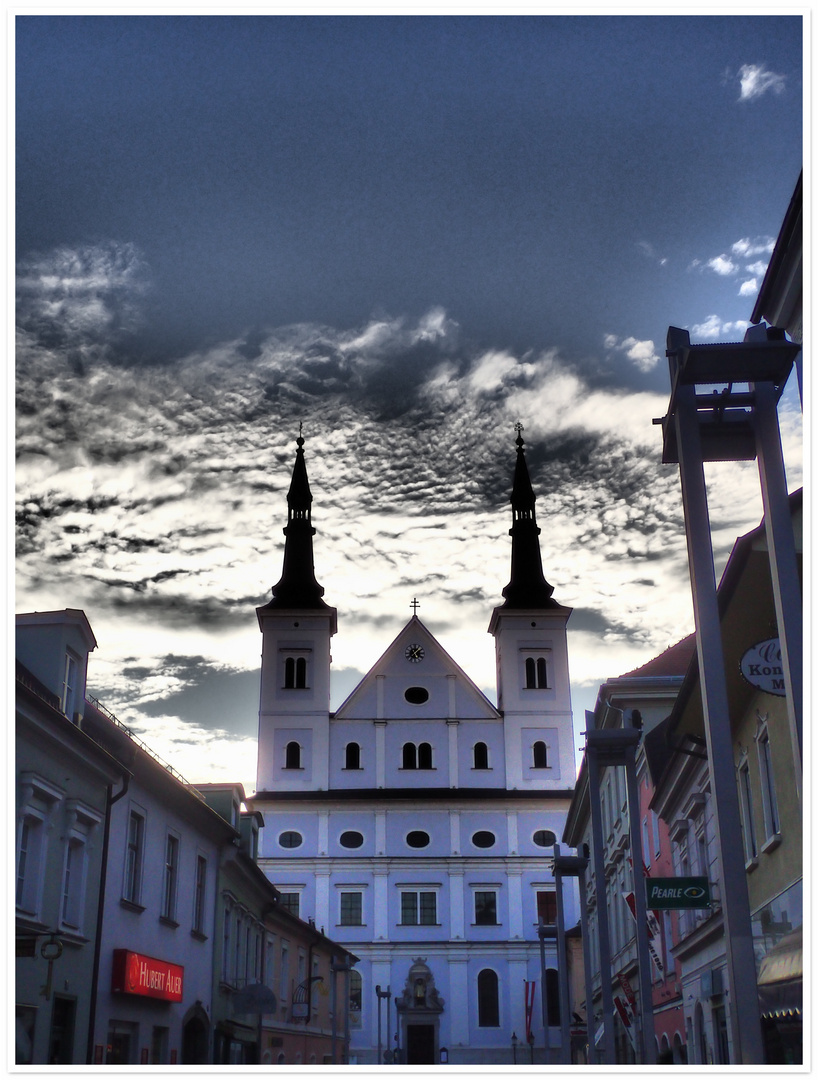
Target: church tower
column 531, row 647
column 296, row 627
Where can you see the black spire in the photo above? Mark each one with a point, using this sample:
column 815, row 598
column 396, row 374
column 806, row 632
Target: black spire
column 298, row 587
column 527, row 587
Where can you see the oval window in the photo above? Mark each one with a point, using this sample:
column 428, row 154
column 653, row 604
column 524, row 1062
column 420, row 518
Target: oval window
column 417, row 695
column 291, row 839
column 545, row 838
column 351, row 839
column 417, row 839
column 484, row 838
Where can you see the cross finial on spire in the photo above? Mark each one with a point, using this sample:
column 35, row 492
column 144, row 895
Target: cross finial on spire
column 518, row 427
column 414, row 605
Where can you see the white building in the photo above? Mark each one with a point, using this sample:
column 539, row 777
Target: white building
column 416, row 823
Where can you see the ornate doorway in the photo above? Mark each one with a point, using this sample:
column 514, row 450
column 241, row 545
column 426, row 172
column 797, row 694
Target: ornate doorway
column 419, row 1008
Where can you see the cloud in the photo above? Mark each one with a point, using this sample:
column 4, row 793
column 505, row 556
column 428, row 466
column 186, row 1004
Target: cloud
column 649, row 251
column 714, row 327
column 748, row 288
column 755, row 80
column 722, row 265
column 641, row 353
column 747, row 248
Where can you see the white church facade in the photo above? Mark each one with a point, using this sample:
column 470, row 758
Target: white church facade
column 415, row 824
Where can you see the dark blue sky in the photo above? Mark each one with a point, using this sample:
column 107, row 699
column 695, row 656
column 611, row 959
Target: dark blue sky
column 408, row 234
column 274, row 170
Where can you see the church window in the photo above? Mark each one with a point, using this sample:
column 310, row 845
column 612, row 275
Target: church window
column 290, row 839
column 544, row 838
column 351, row 909
column 417, row 695
column 481, row 756
column 351, row 839
column 417, row 839
column 295, row 673
column 424, row 756
column 536, row 673
column 540, row 755
column 290, row 901
column 485, row 907
column 292, row 756
column 418, row 908
column 484, row 839
column 352, row 756
column 410, row 756
column 488, row 999
column 547, row 907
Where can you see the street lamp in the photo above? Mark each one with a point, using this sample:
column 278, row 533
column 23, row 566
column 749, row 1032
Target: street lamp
column 387, row 993
column 514, row 1047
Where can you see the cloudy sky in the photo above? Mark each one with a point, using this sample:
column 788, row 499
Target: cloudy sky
column 408, row 234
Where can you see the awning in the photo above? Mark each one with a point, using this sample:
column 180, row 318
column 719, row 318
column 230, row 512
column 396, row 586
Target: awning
column 785, row 962
column 782, row 1000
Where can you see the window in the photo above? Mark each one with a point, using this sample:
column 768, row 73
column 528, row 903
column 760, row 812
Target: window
column 284, row 975
column 81, row 822
column 355, row 991
column 295, row 673
column 424, row 756
column 291, row 901
column 536, row 673
column 488, row 999
column 39, row 799
column 552, row 990
column 351, row 839
column 547, row 907
column 352, row 756
column 352, row 909
column 769, row 803
column 418, row 908
column 409, row 758
column 226, row 943
column 544, row 838
column 171, row 877
column 417, row 839
column 540, row 755
column 485, row 907
column 132, row 891
column 68, row 698
column 417, row 695
column 645, row 842
column 290, row 839
column 484, row 839
column 657, row 843
column 199, row 895
column 481, row 756
column 292, row 756
column 159, row 1046
column 746, row 799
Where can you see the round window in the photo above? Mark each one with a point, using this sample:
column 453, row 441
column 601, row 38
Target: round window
column 484, row 838
column 291, row 839
column 544, row 838
column 417, row 839
column 417, row 695
column 351, row 839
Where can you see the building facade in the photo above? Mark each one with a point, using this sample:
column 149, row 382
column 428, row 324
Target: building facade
column 416, row 823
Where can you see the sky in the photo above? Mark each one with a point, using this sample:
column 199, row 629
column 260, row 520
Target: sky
column 407, row 234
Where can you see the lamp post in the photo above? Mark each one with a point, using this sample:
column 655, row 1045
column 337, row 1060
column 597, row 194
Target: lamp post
column 514, row 1047
column 387, row 993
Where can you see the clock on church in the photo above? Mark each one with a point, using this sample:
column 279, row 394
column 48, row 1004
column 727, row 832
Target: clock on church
column 414, row 653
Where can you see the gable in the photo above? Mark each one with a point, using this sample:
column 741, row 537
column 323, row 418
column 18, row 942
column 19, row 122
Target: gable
column 420, row 683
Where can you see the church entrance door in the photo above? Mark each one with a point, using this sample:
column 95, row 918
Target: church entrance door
column 420, row 1044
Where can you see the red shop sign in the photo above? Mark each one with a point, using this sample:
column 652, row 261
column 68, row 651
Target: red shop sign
column 135, row 973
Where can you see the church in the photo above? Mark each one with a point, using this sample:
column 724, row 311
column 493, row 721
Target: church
column 415, row 825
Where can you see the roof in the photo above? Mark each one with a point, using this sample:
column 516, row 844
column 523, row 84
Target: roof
column 675, row 660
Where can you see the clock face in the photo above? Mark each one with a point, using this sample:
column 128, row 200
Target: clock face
column 414, row 653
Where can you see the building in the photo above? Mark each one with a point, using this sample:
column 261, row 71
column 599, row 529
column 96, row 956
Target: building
column 280, row 986
column 641, row 699
column 416, row 822
column 64, row 784
column 771, row 823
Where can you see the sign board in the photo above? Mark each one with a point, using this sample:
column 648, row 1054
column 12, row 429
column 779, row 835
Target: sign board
column 678, row 892
column 762, row 667
column 653, row 933
column 145, row 976
column 625, row 983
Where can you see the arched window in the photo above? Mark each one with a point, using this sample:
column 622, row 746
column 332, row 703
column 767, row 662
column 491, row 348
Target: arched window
column 424, row 756
column 488, row 999
column 301, row 673
column 552, row 989
column 536, row 673
column 540, row 755
column 410, row 756
column 295, row 673
column 481, row 756
column 289, row 673
column 292, row 756
column 352, row 757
